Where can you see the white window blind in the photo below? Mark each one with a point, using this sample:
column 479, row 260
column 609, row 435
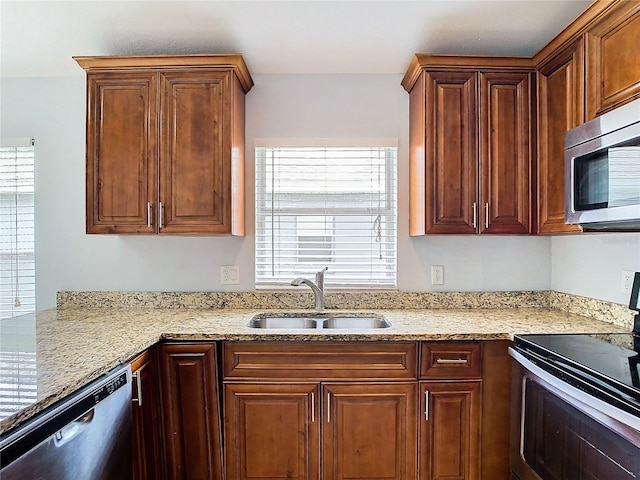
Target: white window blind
column 17, row 231
column 326, row 206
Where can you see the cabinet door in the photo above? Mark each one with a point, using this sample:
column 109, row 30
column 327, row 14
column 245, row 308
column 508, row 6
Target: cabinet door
column 369, row 431
column 191, row 411
column 612, row 59
column 505, row 158
column 195, row 152
column 451, row 181
column 147, row 440
column 450, row 430
column 121, row 152
column 272, row 431
column 560, row 108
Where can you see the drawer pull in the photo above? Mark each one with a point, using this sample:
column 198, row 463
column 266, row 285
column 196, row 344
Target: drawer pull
column 449, row 361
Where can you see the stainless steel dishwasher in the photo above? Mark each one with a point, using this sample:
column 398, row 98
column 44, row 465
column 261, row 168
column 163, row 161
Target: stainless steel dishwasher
column 87, row 436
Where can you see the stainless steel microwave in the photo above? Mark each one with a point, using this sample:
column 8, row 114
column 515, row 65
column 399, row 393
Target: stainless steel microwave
column 602, row 171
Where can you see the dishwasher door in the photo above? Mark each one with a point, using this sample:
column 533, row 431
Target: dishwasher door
column 85, row 437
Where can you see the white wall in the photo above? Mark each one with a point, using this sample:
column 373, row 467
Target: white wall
column 591, row 264
column 52, row 111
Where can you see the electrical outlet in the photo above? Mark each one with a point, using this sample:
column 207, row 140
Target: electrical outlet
column 437, row 275
column 229, row 275
column 626, row 281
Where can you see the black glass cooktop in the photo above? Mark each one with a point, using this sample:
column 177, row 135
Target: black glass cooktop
column 609, row 362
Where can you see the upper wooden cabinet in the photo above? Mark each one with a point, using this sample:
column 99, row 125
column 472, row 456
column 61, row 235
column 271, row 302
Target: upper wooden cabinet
column 470, row 145
column 588, row 69
column 560, row 108
column 165, row 144
column 612, row 59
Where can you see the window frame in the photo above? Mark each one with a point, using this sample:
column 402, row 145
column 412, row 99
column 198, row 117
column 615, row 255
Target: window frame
column 388, row 209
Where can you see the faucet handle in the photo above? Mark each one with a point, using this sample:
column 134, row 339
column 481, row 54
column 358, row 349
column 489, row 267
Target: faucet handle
column 320, row 277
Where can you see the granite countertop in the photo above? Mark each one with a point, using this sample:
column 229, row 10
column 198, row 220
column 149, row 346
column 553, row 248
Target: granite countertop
column 58, row 351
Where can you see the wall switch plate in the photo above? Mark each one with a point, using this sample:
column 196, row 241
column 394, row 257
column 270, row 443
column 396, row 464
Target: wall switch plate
column 229, row 275
column 437, row 275
column 626, row 281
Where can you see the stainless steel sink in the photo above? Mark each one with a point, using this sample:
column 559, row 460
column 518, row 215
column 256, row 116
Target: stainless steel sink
column 364, row 323
column 282, row 322
column 315, row 321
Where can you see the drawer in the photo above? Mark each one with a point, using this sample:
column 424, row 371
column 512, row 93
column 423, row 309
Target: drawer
column 450, row 360
column 320, row 360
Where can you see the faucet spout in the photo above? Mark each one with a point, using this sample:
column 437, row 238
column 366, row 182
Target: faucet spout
column 317, row 287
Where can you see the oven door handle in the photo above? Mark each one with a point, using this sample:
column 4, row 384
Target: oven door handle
column 588, row 404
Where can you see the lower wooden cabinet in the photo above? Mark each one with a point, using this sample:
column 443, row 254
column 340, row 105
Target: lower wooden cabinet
column 272, row 430
column 369, row 430
column 450, row 426
column 191, row 413
column 147, row 434
column 320, row 410
column 323, row 411
column 363, row 430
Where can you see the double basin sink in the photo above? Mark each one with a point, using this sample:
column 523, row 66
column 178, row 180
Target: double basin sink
column 317, row 321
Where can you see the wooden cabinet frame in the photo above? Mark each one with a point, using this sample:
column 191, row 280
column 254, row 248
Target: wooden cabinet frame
column 191, row 412
column 349, row 409
column 165, row 144
column 612, row 69
column 470, row 133
column 148, row 461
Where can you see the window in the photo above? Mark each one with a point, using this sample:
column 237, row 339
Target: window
column 327, row 205
column 17, row 232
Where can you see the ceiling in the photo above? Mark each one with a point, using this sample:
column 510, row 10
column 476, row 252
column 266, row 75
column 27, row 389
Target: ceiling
column 38, row 38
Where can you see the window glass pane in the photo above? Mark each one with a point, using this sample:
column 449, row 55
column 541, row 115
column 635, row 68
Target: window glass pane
column 17, row 232
column 326, row 206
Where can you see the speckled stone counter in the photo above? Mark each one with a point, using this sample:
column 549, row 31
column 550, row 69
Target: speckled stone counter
column 72, row 346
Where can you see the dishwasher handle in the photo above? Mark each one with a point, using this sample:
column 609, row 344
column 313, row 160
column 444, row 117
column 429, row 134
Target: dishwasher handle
column 64, row 436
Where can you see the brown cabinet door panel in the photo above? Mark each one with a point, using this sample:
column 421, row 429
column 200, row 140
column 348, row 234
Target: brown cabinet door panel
column 121, row 152
column 505, row 159
column 272, row 431
column 195, row 152
column 450, row 430
column 451, row 186
column 190, row 411
column 147, row 434
column 560, row 108
column 613, row 59
column 369, row 431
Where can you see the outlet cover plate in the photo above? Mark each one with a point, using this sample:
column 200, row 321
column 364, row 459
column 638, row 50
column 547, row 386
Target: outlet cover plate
column 229, row 275
column 626, row 281
column 437, row 275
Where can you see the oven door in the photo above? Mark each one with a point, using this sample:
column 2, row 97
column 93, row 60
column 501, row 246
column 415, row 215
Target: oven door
column 560, row 433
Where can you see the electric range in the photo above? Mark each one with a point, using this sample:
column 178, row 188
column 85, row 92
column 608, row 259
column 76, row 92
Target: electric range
column 606, row 366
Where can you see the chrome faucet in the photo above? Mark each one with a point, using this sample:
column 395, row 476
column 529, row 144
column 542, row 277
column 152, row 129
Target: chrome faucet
column 317, row 288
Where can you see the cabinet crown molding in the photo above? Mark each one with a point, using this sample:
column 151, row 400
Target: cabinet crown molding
column 233, row 61
column 429, row 61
